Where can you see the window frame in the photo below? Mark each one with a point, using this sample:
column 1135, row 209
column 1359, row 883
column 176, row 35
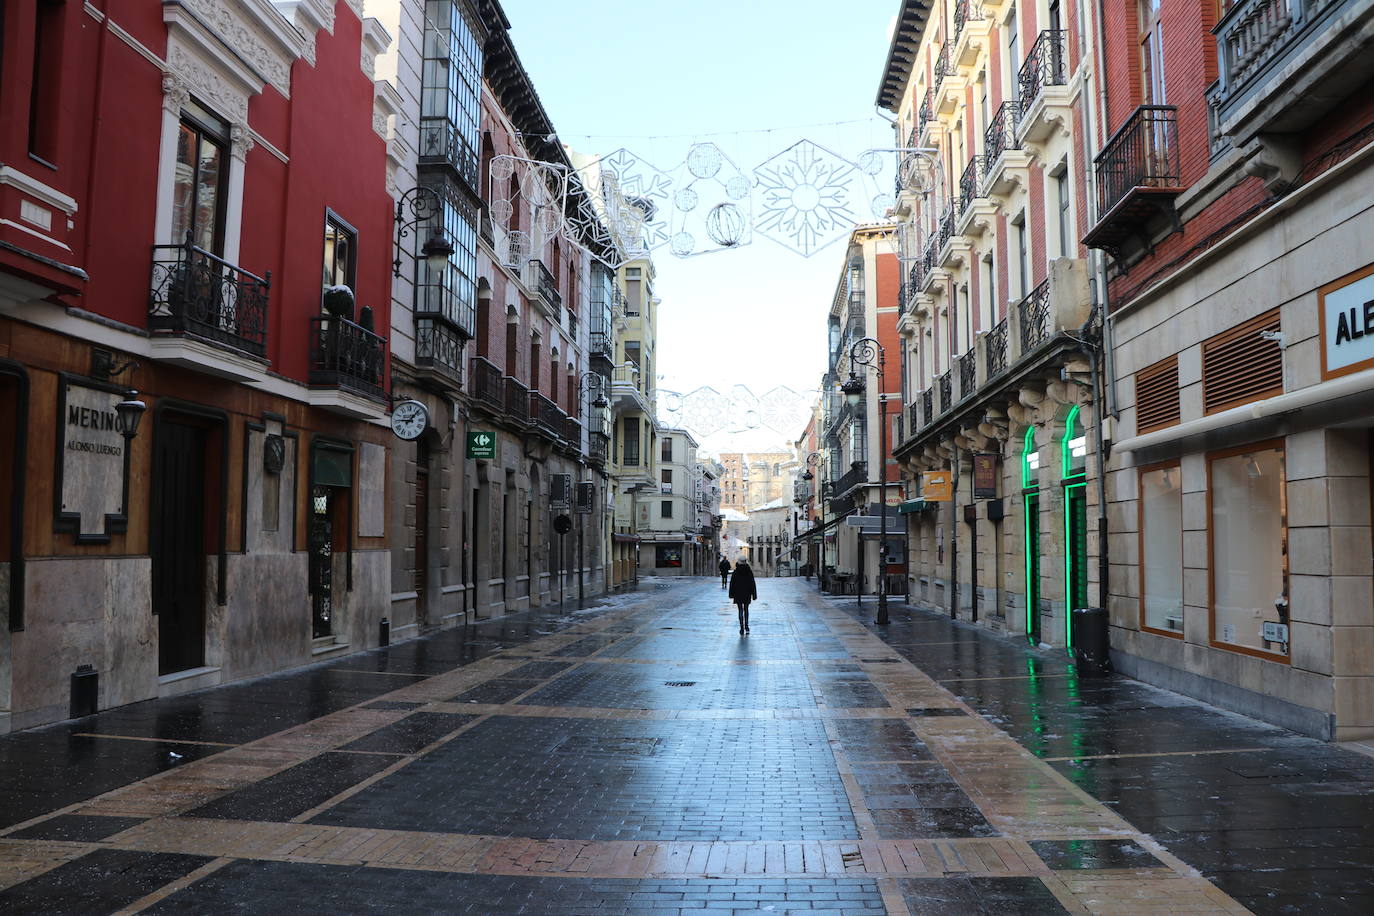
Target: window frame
column 1281, row 445
column 333, row 220
column 206, row 130
column 1168, row 464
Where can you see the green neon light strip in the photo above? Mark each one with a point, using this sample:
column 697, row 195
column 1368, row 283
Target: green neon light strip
column 1065, row 460
column 1070, row 548
column 1030, row 634
column 1028, row 446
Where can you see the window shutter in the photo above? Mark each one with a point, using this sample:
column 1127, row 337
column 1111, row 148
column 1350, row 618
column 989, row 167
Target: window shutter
column 1156, row 395
column 1239, row 366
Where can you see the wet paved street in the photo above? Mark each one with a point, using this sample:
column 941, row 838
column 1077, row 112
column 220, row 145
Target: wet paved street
column 643, row 757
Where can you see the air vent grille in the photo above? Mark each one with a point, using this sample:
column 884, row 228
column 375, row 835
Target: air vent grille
column 1239, row 366
column 1156, row 395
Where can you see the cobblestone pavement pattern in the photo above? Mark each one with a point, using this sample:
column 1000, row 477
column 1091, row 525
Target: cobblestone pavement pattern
column 642, row 757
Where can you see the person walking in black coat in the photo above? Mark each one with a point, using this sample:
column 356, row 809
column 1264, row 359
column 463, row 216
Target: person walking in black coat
column 743, row 590
column 724, row 572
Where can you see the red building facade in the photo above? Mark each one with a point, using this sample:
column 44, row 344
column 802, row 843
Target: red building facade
column 193, row 204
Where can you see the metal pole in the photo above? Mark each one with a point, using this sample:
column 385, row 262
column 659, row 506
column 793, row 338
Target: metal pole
column 882, row 490
column 581, row 576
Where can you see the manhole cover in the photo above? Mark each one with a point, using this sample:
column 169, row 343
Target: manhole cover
column 598, row 746
column 679, row 683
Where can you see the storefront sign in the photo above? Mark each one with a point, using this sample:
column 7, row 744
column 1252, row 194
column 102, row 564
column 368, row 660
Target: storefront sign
column 560, row 491
column 93, row 462
column 984, row 476
column 481, row 444
column 937, row 486
column 1346, row 310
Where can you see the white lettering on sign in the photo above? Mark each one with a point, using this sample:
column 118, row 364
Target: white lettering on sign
column 92, row 460
column 1348, row 319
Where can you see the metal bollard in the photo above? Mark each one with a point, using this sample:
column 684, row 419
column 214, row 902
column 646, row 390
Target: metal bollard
column 85, row 691
column 384, row 634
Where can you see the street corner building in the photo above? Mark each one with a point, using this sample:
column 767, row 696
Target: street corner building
column 195, row 304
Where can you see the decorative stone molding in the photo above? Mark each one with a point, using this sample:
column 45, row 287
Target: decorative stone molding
column 175, row 95
column 240, row 141
column 376, row 39
column 234, row 26
column 208, row 85
column 1276, row 161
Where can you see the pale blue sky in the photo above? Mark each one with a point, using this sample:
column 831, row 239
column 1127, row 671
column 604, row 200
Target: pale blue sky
column 655, row 76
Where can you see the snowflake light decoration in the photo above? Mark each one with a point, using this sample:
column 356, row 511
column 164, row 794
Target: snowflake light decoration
column 806, row 197
column 711, row 203
column 706, row 411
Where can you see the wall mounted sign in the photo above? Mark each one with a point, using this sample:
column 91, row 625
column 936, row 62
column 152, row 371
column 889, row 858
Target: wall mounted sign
column 1345, row 308
column 92, row 491
column 560, row 491
column 984, row 476
column 481, row 444
column 586, row 496
column 937, row 486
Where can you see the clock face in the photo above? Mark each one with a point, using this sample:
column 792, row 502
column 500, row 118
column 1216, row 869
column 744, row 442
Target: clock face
column 409, row 419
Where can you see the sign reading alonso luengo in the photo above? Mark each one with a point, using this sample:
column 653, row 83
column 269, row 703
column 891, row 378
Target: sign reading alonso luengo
column 1347, row 319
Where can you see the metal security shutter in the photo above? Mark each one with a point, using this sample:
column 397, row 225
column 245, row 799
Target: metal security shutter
column 1239, row 366
column 1156, row 395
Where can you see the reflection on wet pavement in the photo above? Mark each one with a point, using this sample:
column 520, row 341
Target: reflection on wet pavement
column 642, row 756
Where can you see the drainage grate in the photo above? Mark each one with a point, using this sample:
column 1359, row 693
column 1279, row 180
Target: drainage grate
column 679, row 683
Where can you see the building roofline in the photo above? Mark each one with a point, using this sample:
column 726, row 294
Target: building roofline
column 901, row 53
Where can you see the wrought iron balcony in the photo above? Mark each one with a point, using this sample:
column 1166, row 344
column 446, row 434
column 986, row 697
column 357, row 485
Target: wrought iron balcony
column 545, row 416
column 914, row 412
column 1138, row 176
column 996, row 349
column 965, row 11
column 1045, row 65
column 543, row 283
column 200, row 295
column 856, row 475
column 946, row 228
column 438, row 348
column 488, row 384
column 943, row 67
column 601, row 343
column 927, row 111
column 515, row 400
column 968, row 374
column 598, row 448
column 927, row 406
column 442, row 144
column 946, row 384
column 572, row 432
column 971, row 183
column 347, row 356
column 1035, row 317
column 1000, row 135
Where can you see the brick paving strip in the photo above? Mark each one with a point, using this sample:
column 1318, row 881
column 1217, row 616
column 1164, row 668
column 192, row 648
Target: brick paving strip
column 1020, row 796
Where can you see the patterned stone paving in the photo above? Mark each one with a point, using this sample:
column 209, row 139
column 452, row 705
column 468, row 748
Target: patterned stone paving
column 643, row 759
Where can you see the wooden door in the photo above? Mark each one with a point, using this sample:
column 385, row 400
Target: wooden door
column 178, row 546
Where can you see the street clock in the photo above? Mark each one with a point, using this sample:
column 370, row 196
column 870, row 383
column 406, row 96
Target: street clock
column 409, row 420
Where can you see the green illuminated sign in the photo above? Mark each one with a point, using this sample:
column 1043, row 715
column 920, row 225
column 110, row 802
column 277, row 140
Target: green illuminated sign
column 481, row 444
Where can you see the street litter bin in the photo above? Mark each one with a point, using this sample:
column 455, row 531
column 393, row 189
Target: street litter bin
column 1091, row 657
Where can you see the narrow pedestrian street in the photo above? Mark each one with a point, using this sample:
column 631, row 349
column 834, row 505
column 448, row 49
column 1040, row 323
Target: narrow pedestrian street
column 644, row 757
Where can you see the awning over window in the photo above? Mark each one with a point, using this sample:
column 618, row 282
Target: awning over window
column 912, row 505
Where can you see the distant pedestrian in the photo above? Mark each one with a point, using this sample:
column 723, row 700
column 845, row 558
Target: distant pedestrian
column 742, row 591
column 724, row 572
column 806, row 571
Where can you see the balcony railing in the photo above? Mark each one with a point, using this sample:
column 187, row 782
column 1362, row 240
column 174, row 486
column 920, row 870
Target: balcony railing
column 968, row 374
column 927, row 111
column 601, row 344
column 545, row 416
column 543, row 283
column 914, row 413
column 971, row 183
column 487, row 383
column 946, row 227
column 598, row 448
column 572, row 432
column 856, row 475
column 193, row 292
column 965, row 11
column 1035, row 317
column 996, row 344
column 348, row 356
column 438, row 347
column 927, row 406
column 442, row 144
column 943, row 67
column 946, row 384
column 1142, row 154
column 516, row 400
column 1000, row 135
column 1044, row 66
